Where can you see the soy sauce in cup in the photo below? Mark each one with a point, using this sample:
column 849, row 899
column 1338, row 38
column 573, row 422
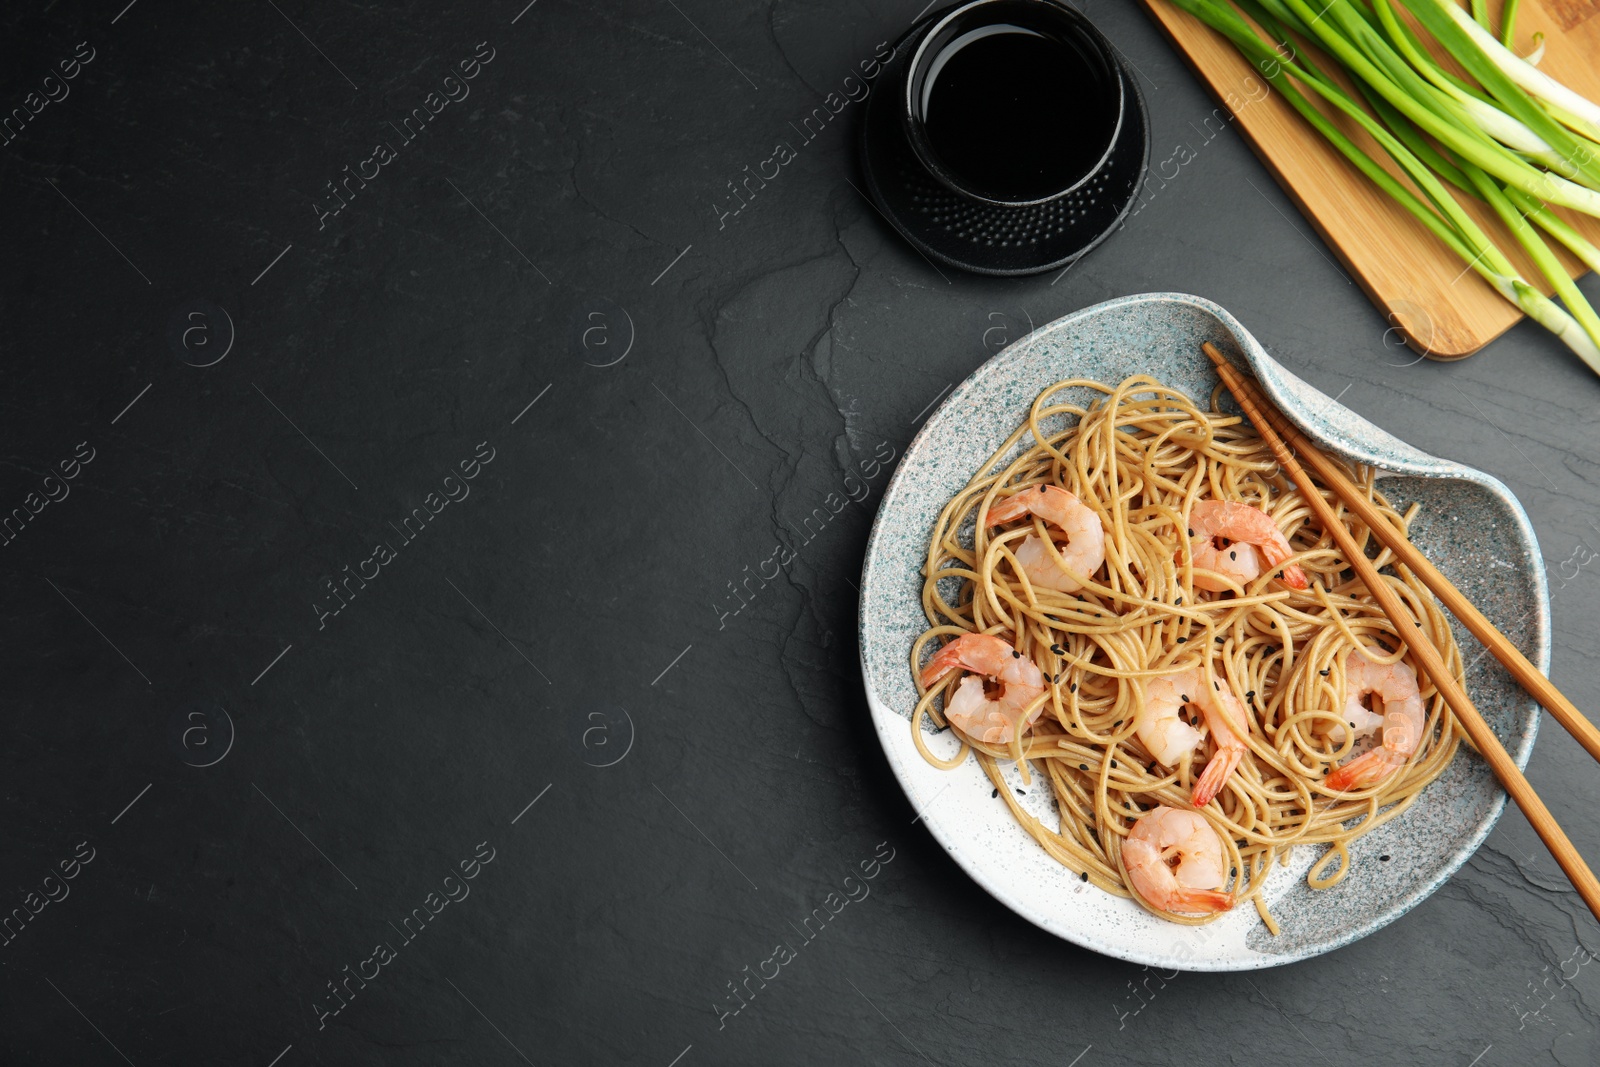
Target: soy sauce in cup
column 1013, row 101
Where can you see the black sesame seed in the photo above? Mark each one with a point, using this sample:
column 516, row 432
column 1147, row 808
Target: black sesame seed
column 1015, row 654
column 1083, row 766
column 1022, row 792
column 1072, row 687
column 1085, row 876
column 1383, row 859
column 1250, row 695
column 1191, row 533
column 1179, row 603
column 1183, row 640
column 1325, row 671
column 1419, row 624
column 994, row 792
column 1058, row 650
column 1041, row 489
column 1185, row 697
column 1352, row 726
column 1216, row 685
column 1114, row 726
column 1233, row 555
column 1113, row 764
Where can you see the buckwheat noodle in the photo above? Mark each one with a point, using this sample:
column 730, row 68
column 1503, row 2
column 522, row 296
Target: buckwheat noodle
column 1140, row 454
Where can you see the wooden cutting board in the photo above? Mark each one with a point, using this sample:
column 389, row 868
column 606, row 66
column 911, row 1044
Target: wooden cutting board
column 1421, row 288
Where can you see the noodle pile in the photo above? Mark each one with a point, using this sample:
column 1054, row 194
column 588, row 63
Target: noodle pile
column 1140, row 455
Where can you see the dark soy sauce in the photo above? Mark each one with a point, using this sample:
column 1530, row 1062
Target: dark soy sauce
column 1019, row 116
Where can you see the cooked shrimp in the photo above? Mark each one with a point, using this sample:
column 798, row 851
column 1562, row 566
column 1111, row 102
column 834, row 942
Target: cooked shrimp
column 991, row 715
column 1176, row 863
column 1084, row 551
column 1357, row 716
column 1229, row 724
column 1160, row 724
column 1239, row 541
column 1161, row 727
column 1393, row 687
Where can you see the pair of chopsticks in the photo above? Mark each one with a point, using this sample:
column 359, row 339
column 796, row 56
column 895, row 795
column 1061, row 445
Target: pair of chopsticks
column 1280, row 436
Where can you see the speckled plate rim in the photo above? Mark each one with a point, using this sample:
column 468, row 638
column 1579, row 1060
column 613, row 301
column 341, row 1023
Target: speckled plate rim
column 1336, row 429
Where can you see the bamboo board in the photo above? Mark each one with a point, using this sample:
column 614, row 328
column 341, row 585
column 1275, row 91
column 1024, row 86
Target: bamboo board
column 1421, row 288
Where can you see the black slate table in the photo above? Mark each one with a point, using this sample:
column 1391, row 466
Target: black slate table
column 384, row 680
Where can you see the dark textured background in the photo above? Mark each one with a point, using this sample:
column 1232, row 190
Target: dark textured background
column 569, row 611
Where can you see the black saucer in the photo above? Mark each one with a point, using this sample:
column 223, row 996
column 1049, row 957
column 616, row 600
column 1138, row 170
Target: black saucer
column 960, row 232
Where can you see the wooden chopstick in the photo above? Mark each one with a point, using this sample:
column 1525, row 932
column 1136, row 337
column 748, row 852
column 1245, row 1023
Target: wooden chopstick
column 1416, row 640
column 1526, row 674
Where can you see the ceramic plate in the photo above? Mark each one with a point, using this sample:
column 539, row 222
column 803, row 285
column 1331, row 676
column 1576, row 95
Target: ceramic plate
column 1470, row 525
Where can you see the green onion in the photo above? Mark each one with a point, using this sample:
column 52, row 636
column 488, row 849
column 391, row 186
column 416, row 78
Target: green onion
column 1562, row 101
column 1508, row 135
column 1508, row 23
column 1511, row 80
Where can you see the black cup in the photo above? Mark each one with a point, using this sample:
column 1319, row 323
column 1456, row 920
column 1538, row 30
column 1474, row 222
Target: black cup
column 1088, row 63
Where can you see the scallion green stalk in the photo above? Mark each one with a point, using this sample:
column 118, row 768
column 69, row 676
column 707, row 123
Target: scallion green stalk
column 1482, row 55
column 1508, row 23
column 1411, row 94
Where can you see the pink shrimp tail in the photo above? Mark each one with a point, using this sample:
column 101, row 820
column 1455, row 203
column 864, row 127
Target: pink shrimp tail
column 943, row 662
column 969, row 651
column 1365, row 770
column 1212, row 779
column 1203, row 901
column 1012, row 507
column 1291, row 576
